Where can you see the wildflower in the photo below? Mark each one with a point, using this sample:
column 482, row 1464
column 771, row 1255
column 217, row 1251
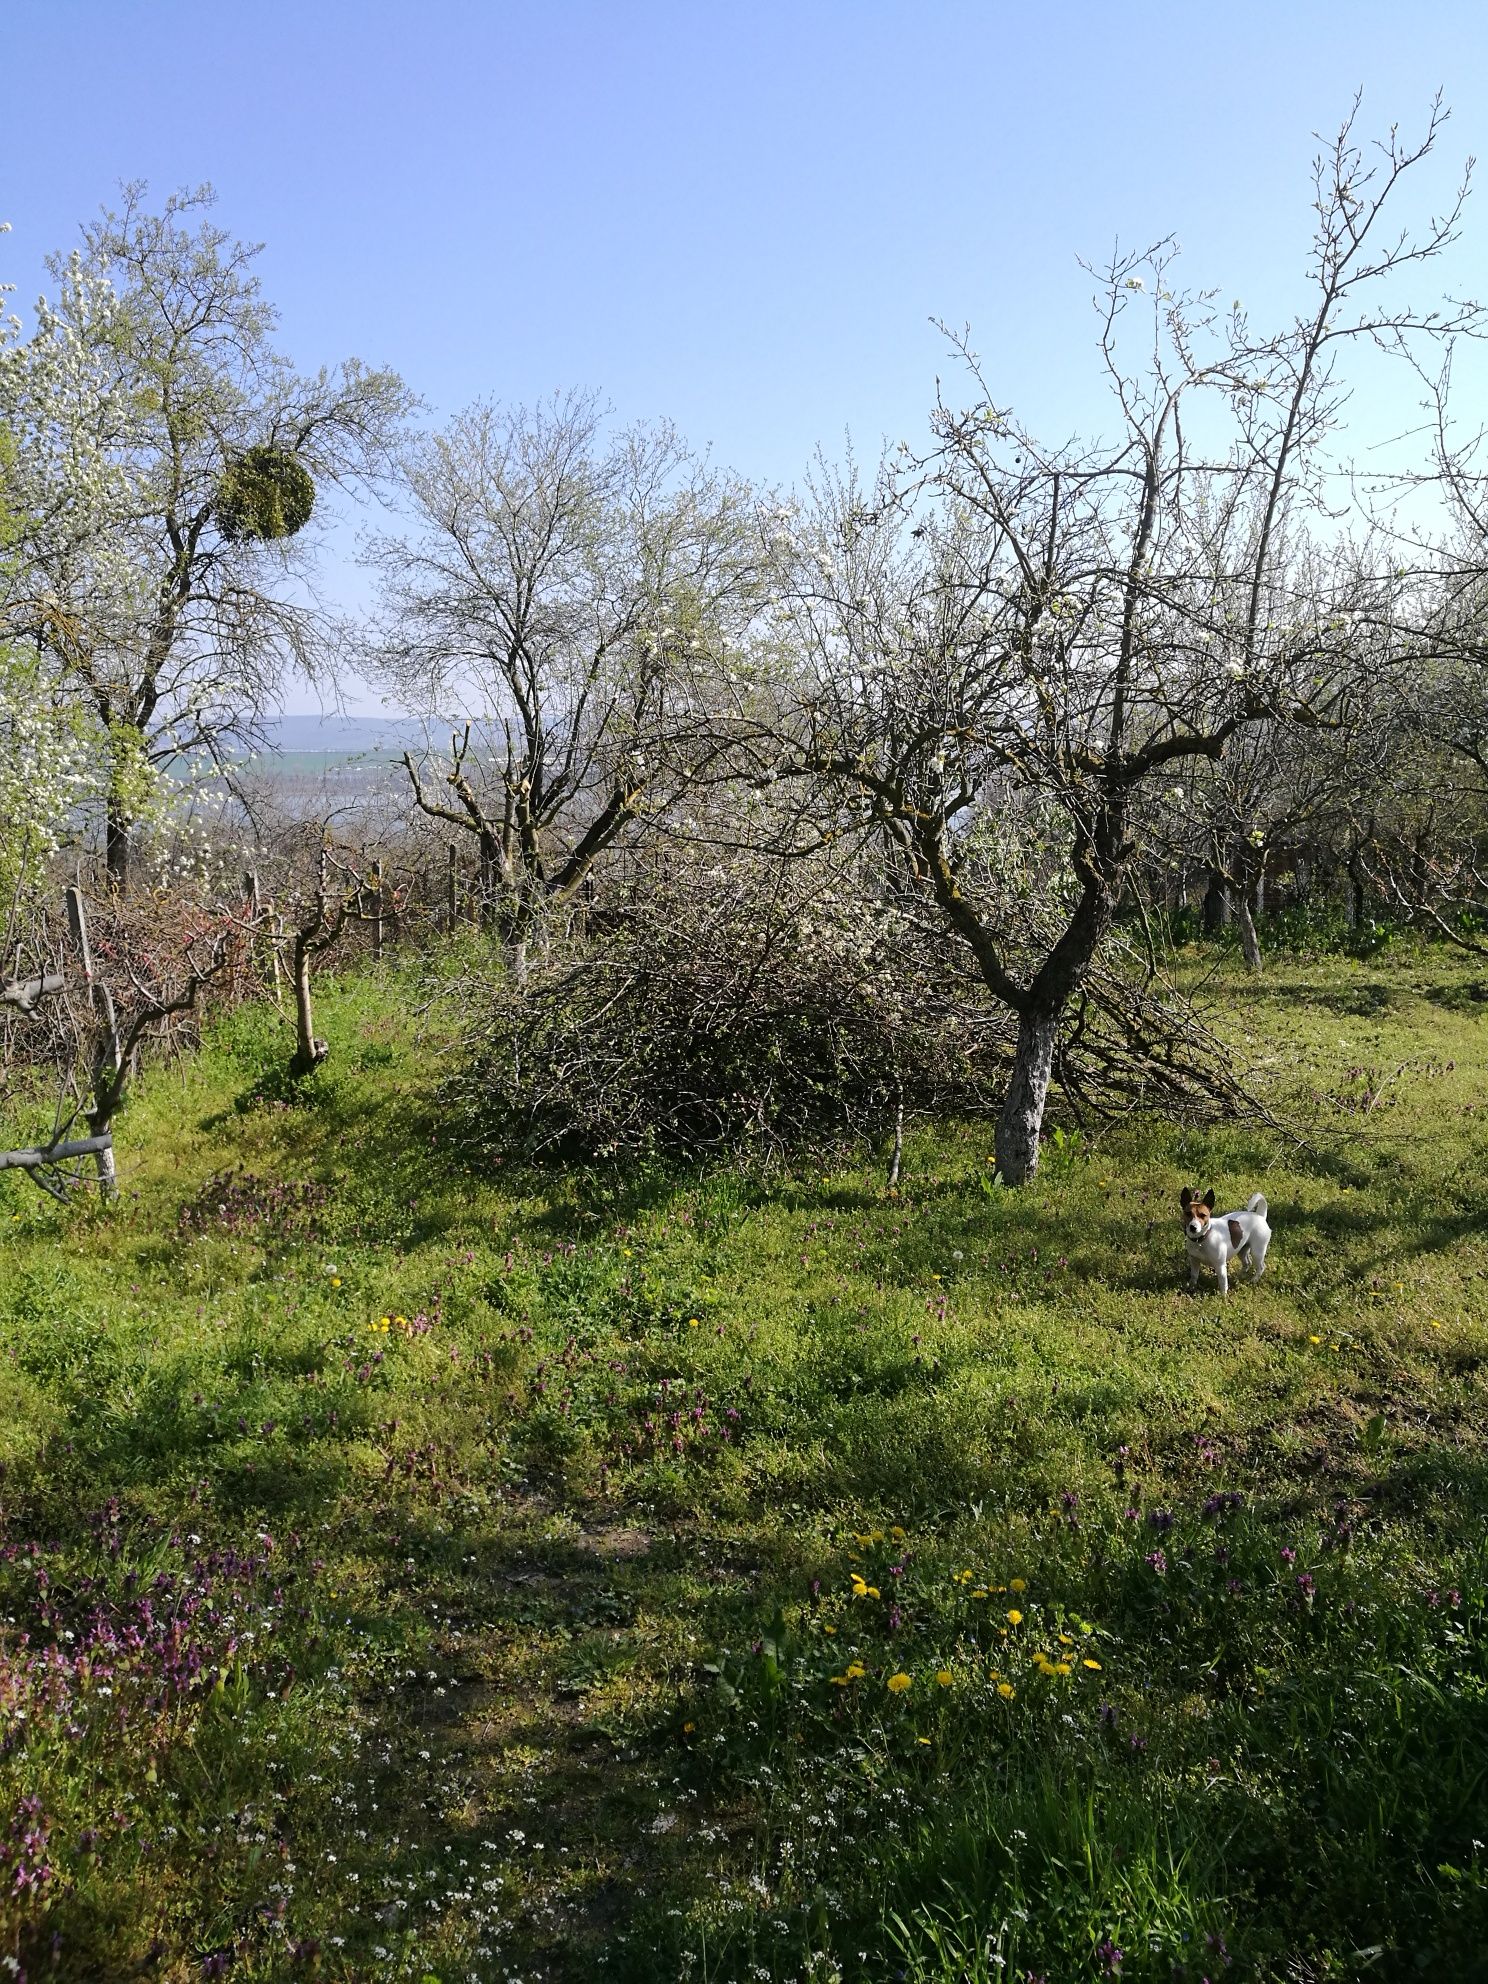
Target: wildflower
column 1110, row 1956
column 1157, row 1561
column 944, row 1677
column 692, row 1322
column 1015, row 1617
column 1061, row 1667
column 897, row 1683
column 688, row 1727
column 1006, row 1690
column 1017, row 1584
column 856, row 1671
column 1093, row 1665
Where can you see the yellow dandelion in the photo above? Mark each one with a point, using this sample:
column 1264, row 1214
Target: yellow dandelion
column 897, row 1533
column 1006, row 1690
column 1065, row 1640
column 829, row 1629
column 1314, row 1339
column 944, row 1677
column 1061, row 1667
column 692, row 1322
column 688, row 1727
column 1093, row 1665
column 873, row 1591
column 1015, row 1617
column 856, row 1670
column 1017, row 1584
column 897, row 1683
column 923, row 1739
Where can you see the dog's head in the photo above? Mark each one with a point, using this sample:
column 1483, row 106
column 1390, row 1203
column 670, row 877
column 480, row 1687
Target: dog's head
column 1196, row 1212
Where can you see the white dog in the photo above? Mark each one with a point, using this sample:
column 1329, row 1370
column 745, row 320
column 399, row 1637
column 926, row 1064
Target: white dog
column 1214, row 1241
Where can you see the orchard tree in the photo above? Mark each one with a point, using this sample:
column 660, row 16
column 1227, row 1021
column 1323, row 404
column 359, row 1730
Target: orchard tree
column 173, row 599
column 44, row 739
column 565, row 605
column 1003, row 639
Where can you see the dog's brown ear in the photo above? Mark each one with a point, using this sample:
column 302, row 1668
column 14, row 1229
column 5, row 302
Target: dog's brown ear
column 1185, row 1197
column 1209, row 1198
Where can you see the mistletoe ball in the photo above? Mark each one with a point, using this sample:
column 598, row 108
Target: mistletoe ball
column 265, row 494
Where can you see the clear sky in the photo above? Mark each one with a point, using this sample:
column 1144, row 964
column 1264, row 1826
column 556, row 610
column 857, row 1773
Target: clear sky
column 741, row 216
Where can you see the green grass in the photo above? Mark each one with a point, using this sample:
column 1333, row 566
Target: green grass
column 519, row 1639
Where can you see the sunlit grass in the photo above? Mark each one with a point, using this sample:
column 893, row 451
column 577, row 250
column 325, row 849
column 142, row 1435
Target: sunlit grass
column 499, row 1538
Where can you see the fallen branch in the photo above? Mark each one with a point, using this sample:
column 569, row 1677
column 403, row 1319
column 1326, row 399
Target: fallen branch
column 39, row 1155
column 26, row 993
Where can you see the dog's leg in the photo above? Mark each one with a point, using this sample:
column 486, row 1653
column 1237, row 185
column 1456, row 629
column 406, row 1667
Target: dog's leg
column 1193, row 1274
column 1258, row 1254
column 1223, row 1272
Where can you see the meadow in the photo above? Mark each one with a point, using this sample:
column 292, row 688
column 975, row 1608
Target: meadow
column 413, row 1570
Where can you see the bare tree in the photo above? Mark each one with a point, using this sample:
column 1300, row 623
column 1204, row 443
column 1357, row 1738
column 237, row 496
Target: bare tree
column 1005, row 647
column 136, row 992
column 566, row 606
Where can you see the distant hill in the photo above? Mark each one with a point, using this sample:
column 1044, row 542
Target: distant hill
column 310, row 732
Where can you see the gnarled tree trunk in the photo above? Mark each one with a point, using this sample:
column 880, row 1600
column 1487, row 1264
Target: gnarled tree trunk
column 1028, row 1089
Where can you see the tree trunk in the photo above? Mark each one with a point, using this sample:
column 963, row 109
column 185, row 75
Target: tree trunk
column 309, row 1052
column 1028, row 1089
column 896, row 1155
column 116, row 849
column 1356, row 894
column 1216, row 904
column 1250, row 943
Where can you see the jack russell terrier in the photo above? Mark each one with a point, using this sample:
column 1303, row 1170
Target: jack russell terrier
column 1213, row 1241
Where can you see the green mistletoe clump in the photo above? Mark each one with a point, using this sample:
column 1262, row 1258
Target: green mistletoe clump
column 266, row 494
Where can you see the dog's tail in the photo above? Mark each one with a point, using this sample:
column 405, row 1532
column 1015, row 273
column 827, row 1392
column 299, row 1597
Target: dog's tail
column 1258, row 1204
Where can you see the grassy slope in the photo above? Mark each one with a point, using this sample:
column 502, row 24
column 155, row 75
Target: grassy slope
column 521, row 1636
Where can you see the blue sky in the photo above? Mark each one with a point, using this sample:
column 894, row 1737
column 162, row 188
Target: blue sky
column 743, row 217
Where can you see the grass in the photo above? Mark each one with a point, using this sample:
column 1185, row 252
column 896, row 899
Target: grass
column 409, row 1573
